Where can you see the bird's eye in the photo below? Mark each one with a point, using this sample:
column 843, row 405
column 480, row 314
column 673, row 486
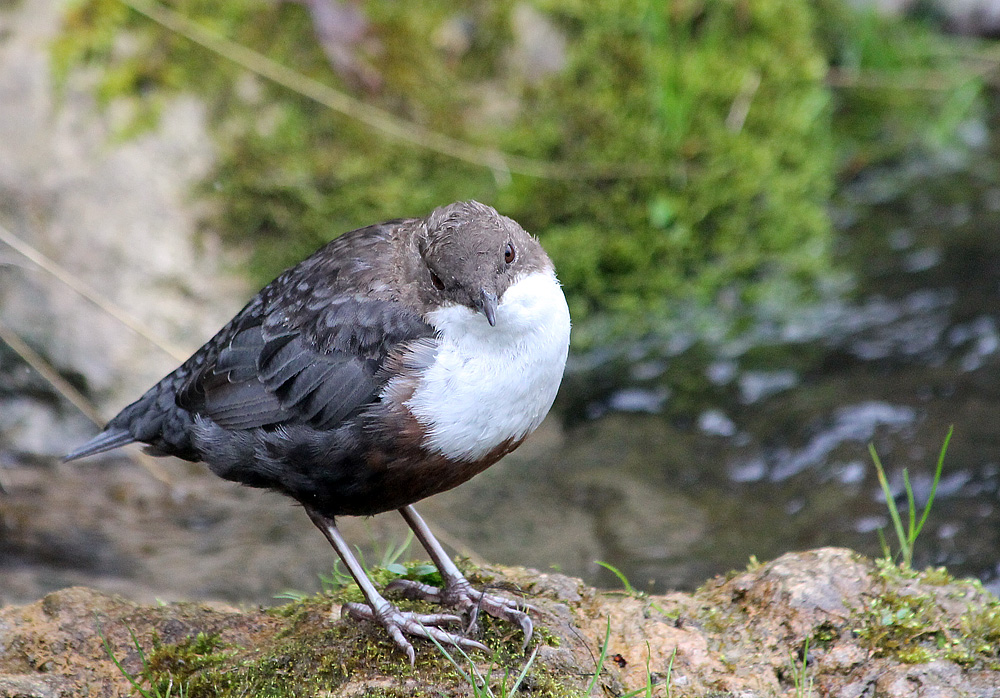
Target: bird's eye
column 436, row 280
column 508, row 253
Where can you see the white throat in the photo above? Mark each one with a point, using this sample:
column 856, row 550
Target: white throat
column 488, row 385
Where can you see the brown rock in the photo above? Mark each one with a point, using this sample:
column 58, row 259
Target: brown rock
column 742, row 636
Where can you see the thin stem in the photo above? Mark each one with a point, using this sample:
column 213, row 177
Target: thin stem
column 889, row 501
column 937, row 479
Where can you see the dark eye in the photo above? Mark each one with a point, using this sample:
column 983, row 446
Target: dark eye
column 436, row 280
column 508, row 253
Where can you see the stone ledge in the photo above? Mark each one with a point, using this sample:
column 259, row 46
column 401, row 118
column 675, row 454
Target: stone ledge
column 743, row 635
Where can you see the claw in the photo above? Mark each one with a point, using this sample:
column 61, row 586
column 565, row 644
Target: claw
column 397, row 623
column 473, row 626
column 400, row 624
column 456, row 592
column 463, row 596
column 526, row 629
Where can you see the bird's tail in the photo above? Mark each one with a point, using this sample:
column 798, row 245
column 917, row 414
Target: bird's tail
column 105, row 441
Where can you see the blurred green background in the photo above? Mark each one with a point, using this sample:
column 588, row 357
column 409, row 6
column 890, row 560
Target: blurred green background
column 673, row 157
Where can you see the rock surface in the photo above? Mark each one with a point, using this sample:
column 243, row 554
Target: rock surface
column 117, row 216
column 742, row 636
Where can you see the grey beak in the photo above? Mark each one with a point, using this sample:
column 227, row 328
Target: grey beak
column 487, row 305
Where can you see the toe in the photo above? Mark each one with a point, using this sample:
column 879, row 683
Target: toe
column 402, row 625
column 415, row 590
column 357, row 611
column 527, row 628
column 463, row 596
column 433, row 619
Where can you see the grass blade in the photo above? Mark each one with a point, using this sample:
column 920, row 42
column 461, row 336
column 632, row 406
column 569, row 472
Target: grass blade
column 472, row 681
column 524, row 672
column 629, row 589
column 395, row 551
column 670, row 673
column 600, row 660
column 911, row 514
column 124, row 672
column 890, row 502
column 937, row 479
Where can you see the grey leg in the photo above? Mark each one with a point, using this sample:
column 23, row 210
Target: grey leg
column 457, row 591
column 398, row 623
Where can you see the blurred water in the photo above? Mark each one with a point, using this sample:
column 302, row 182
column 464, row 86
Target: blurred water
column 671, row 460
column 684, row 458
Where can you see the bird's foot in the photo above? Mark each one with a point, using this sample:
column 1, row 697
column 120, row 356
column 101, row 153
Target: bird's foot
column 463, row 596
column 401, row 624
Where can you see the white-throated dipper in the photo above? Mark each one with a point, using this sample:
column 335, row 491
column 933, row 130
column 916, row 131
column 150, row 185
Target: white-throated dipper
column 396, row 362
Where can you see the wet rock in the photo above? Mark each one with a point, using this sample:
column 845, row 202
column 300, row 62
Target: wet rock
column 744, row 635
column 117, row 217
column 931, row 680
column 807, row 589
column 15, row 686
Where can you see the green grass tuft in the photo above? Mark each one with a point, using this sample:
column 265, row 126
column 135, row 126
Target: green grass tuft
column 907, row 536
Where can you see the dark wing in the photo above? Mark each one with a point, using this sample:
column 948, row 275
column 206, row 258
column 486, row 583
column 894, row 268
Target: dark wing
column 313, row 370
column 305, row 350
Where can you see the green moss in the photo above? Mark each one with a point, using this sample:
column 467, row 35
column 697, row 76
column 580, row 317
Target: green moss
column 824, row 635
column 315, row 652
column 939, row 576
column 902, row 85
column 897, row 624
column 172, row 665
column 913, row 619
column 311, row 655
column 659, row 84
column 725, row 100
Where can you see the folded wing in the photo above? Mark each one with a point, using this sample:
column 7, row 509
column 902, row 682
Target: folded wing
column 317, row 372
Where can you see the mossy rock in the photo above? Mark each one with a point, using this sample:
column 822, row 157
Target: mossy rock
column 826, row 620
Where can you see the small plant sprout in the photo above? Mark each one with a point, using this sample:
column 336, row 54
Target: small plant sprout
column 600, row 660
column 338, row 579
column 907, row 537
column 389, row 559
column 629, row 589
column 800, row 675
column 151, row 692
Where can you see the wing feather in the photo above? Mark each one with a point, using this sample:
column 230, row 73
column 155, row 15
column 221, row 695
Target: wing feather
column 318, row 373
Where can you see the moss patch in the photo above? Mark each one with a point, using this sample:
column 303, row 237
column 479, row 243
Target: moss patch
column 925, row 616
column 725, row 103
column 312, row 654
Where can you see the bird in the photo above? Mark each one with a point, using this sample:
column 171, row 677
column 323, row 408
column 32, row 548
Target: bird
column 396, row 362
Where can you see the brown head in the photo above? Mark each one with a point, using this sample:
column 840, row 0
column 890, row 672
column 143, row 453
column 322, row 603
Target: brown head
column 471, row 255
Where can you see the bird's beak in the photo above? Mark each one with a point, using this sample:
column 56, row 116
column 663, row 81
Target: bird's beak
column 487, row 305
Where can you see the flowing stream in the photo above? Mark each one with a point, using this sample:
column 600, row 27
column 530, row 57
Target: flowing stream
column 670, row 461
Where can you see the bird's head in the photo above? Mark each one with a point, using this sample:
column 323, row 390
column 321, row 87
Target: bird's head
column 471, row 255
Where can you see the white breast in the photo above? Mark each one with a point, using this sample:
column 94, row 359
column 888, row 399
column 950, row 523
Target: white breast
column 491, row 384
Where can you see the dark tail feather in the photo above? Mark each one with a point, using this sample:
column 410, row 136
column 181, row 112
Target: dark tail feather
column 105, row 441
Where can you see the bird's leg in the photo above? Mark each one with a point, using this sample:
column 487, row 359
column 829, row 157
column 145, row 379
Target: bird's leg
column 457, row 591
column 398, row 623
